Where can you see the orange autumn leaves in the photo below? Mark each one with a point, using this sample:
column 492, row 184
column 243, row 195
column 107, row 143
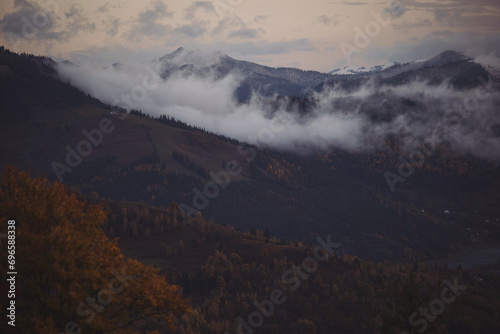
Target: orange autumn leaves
column 70, row 275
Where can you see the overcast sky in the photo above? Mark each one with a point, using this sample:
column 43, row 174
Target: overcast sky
column 316, row 34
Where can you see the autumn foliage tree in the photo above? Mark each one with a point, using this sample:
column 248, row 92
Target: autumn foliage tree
column 71, row 277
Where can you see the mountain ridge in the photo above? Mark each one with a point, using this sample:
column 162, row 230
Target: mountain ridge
column 255, row 79
column 442, row 58
column 159, row 160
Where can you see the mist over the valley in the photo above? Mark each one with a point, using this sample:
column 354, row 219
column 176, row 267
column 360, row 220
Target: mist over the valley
column 200, row 89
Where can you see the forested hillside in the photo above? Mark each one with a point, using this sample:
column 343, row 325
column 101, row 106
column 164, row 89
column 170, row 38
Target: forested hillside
column 229, row 277
column 296, row 197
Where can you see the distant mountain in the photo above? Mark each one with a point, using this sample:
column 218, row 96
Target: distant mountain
column 446, row 57
column 264, row 80
column 309, row 94
column 157, row 161
column 460, row 70
column 439, row 60
column 332, row 199
column 358, row 70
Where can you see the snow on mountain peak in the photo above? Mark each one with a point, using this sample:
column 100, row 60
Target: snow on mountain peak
column 362, row 69
column 200, row 58
column 445, row 57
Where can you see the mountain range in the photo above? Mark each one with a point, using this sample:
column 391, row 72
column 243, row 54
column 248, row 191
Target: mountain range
column 230, row 222
column 269, row 81
column 346, row 192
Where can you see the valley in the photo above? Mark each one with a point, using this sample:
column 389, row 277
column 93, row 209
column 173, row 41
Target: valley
column 226, row 220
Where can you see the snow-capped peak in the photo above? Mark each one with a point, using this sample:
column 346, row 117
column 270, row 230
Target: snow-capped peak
column 362, row 69
column 197, row 57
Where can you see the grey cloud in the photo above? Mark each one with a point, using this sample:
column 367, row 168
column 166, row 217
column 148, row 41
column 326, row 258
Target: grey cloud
column 488, row 21
column 339, row 119
column 349, row 3
column 107, row 7
column 206, row 6
column 191, row 30
column 244, row 33
column 267, row 48
column 111, row 25
column 447, row 15
column 395, row 8
column 78, row 21
column 29, row 20
column 325, row 20
column 460, row 12
column 442, row 33
column 20, row 21
column 260, row 18
column 148, row 23
column 476, row 6
column 410, row 25
column 197, row 27
column 104, row 8
column 434, row 43
column 328, row 21
column 428, row 46
column 228, row 23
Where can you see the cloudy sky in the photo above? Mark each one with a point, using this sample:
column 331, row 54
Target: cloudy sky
column 317, row 34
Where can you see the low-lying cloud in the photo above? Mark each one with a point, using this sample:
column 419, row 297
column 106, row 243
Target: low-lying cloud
column 358, row 120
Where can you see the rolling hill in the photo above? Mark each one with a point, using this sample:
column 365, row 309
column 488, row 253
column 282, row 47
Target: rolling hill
column 157, row 161
column 268, row 220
